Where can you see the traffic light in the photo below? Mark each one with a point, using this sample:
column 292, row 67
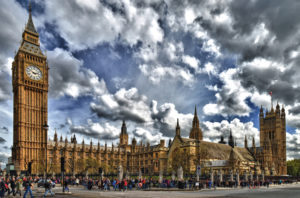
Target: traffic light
column 100, row 171
column 62, row 164
column 29, row 168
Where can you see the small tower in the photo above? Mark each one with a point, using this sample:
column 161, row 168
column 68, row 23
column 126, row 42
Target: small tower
column 177, row 128
column 66, row 141
column 231, row 140
column 91, row 145
column 123, row 135
column 246, row 142
column 61, row 138
column 82, row 145
column 196, row 132
column 55, row 136
column 253, row 145
column 133, row 142
column 74, row 139
column 222, row 140
column 98, row 148
column 170, row 142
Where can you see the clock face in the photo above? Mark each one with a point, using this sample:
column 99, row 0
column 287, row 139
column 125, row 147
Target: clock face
column 33, row 72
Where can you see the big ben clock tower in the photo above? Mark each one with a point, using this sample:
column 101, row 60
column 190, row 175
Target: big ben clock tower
column 30, row 93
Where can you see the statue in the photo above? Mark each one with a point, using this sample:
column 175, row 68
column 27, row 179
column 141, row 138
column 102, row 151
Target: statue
column 220, row 175
column 180, row 173
column 211, row 176
column 237, row 177
column 231, row 175
column 173, row 175
column 246, row 176
column 120, row 173
column 140, row 174
column 161, row 173
column 127, row 175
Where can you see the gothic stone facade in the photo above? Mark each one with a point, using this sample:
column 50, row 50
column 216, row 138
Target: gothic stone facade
column 31, row 144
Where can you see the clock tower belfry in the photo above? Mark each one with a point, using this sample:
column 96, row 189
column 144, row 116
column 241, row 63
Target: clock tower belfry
column 30, row 102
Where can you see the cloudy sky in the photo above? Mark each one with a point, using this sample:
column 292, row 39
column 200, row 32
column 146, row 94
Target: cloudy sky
column 150, row 62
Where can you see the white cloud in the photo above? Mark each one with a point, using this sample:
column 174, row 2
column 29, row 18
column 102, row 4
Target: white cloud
column 213, row 131
column 69, row 77
column 98, row 23
column 96, row 130
column 191, row 61
column 231, row 97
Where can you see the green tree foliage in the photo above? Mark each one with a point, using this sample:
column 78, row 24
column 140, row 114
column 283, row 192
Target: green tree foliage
column 293, row 167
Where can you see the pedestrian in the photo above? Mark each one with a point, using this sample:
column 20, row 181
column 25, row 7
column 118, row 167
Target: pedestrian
column 27, row 185
column 66, row 185
column 2, row 188
column 18, row 187
column 48, row 187
column 13, row 186
column 77, row 181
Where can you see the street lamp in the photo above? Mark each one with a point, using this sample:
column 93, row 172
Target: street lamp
column 46, row 128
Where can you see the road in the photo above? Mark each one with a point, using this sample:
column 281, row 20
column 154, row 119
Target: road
column 286, row 191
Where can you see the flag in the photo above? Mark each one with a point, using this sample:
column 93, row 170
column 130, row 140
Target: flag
column 270, row 93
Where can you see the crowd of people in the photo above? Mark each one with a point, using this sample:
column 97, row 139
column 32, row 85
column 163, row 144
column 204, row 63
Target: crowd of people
column 23, row 186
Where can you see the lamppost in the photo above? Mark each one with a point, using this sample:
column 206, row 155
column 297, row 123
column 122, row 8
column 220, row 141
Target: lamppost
column 46, row 128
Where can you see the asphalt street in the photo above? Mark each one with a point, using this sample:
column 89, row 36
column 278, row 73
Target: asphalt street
column 285, row 191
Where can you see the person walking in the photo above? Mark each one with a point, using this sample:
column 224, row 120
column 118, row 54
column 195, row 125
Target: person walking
column 2, row 188
column 27, row 185
column 13, row 186
column 18, row 187
column 48, row 188
column 66, row 185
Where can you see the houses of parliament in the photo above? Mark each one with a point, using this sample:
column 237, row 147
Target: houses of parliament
column 31, row 143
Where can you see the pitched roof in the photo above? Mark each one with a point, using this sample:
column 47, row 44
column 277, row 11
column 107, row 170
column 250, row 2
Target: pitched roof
column 218, row 151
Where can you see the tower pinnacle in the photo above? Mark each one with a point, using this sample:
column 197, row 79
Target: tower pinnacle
column 30, row 26
column 196, row 132
column 177, row 128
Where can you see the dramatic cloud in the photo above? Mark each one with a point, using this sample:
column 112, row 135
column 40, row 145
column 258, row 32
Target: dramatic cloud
column 95, row 130
column 69, row 77
column 124, row 104
column 3, row 159
column 102, row 22
column 212, row 131
column 4, row 130
column 293, row 145
column 2, row 140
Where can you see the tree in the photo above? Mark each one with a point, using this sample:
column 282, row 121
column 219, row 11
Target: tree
column 88, row 164
column 293, row 167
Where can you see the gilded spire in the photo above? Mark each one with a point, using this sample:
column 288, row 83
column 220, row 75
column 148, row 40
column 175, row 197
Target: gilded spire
column 30, row 26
